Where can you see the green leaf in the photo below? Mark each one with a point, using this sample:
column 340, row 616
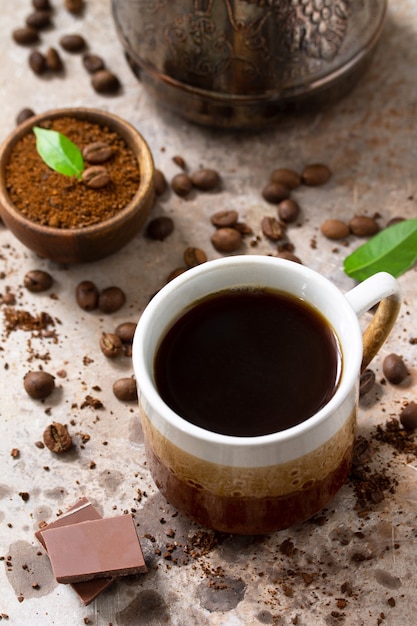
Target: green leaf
column 392, row 250
column 59, row 152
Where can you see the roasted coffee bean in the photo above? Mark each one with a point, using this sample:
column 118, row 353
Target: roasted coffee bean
column 205, row 179
column 97, row 152
column 275, row 193
column 363, row 226
column 395, row 220
column 24, row 115
column 93, row 63
column 86, row 295
column 180, row 161
column 159, row 228
column 227, row 239
column 57, row 438
column 272, row 229
column 111, row 345
column 41, row 5
column 125, row 389
column 25, row 36
column 367, row 381
column 96, row 177
column 288, row 210
column 243, row 228
column 74, row 6
column 111, row 299
column 37, row 62
column 315, row 174
column 37, row 281
column 289, row 256
column 224, row 218
column 176, row 272
column 126, row 331
column 394, row 368
column 182, row 184
column 39, row 19
column 160, row 181
column 39, row 384
column 335, row 229
column 408, row 416
column 105, row 82
column 53, row 60
column 286, row 177
column 73, row 43
column 194, row 256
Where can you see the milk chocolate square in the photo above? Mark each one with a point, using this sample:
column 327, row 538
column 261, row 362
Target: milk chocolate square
column 94, row 549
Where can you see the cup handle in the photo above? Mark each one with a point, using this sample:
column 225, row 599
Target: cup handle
column 380, row 288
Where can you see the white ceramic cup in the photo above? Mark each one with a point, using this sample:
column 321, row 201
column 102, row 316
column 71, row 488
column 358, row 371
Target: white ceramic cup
column 255, row 485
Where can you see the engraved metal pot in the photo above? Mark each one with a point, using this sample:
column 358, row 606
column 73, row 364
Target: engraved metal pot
column 242, row 63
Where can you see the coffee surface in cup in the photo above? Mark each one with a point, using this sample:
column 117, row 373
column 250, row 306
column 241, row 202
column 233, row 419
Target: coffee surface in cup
column 248, row 362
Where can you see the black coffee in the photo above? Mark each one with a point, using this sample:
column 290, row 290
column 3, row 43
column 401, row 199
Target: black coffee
column 248, row 363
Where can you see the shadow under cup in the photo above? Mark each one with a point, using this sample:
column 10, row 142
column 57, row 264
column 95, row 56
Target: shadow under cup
column 255, row 484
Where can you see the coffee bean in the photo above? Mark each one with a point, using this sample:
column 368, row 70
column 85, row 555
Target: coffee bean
column 408, row 416
column 335, row 229
column 160, row 181
column 288, row 210
column 53, row 60
column 37, row 62
column 180, row 161
column 41, row 5
column 73, row 43
column 96, row 177
column 224, row 218
column 176, row 272
column 74, row 6
column 194, row 256
column 226, row 239
column 395, row 220
column 57, row 438
column 111, row 345
column 243, row 228
column 93, row 63
column 111, row 299
column 25, row 36
column 394, row 368
column 159, row 228
column 363, row 226
column 37, row 281
column 105, row 82
column 125, row 389
column 315, row 174
column 205, row 179
column 86, row 295
column 367, row 381
column 182, row 184
column 126, row 331
column 272, row 229
column 97, row 152
column 24, row 115
column 39, row 19
column 288, row 178
column 39, row 384
column 275, row 193
column 289, row 256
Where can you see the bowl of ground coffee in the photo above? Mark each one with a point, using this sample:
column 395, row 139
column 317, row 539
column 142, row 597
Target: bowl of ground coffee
column 81, row 217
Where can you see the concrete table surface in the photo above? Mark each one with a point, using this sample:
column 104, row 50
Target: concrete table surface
column 354, row 563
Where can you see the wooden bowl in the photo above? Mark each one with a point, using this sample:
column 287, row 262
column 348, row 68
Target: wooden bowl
column 90, row 243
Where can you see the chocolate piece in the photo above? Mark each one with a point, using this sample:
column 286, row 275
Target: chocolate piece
column 94, row 549
column 82, row 511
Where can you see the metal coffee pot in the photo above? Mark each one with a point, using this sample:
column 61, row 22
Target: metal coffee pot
column 244, row 63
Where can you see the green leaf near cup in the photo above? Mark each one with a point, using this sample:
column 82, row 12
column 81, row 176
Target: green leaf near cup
column 59, row 152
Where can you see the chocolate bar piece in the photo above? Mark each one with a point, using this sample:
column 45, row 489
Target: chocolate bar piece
column 82, row 511
column 94, row 549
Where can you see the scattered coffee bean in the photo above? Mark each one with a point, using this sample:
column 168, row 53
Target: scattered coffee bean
column 41, row 5
column 126, row 331
column 160, row 181
column 367, row 381
column 159, row 228
column 39, row 384
column 73, row 43
column 286, row 177
column 93, row 63
column 176, row 272
column 243, row 228
column 408, row 416
column 37, row 62
column 57, row 438
column 335, row 229
column 53, row 60
column 288, row 210
column 275, row 193
column 111, row 299
column 37, row 281
column 24, row 115
column 39, row 19
column 363, row 226
column 226, row 239
column 224, row 218
column 25, row 36
column 97, row 152
column 74, row 6
column 205, row 179
column 180, row 161
column 394, row 368
column 111, row 345
column 182, row 184
column 96, row 177
column 289, row 256
column 86, row 295
column 105, row 82
column 125, row 389
column 194, row 256
column 272, row 229
column 395, row 220
column 315, row 175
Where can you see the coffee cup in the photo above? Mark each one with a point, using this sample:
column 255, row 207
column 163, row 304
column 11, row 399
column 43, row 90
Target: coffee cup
column 218, row 448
